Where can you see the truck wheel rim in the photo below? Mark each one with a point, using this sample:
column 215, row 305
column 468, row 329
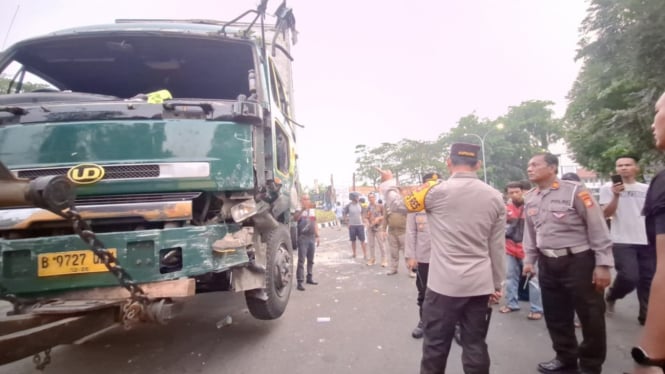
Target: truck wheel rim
column 282, row 269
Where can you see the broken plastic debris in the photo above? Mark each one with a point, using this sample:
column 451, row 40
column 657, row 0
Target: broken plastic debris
column 227, row 321
column 323, row 319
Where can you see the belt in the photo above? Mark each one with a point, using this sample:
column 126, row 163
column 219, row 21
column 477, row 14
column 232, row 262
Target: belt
column 567, row 251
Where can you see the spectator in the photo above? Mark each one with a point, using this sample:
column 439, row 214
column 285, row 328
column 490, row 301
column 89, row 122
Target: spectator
column 339, row 213
column 515, row 255
column 353, row 215
column 308, row 240
column 375, row 230
column 623, row 202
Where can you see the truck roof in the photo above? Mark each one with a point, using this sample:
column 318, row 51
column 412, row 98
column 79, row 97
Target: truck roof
column 179, row 26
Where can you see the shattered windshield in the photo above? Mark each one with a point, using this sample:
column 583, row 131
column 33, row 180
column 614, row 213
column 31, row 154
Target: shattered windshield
column 127, row 65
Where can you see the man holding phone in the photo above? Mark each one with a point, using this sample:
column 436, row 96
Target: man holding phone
column 622, row 200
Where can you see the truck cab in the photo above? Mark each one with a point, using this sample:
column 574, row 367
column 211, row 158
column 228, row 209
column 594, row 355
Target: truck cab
column 180, row 139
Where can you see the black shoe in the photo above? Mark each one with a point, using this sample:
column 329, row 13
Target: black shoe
column 417, row 333
column 300, row 287
column 556, row 366
column 311, row 281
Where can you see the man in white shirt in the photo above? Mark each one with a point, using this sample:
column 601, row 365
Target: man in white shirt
column 622, row 201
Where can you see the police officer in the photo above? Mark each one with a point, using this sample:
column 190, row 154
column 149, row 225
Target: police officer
column 566, row 234
column 417, row 248
column 467, row 230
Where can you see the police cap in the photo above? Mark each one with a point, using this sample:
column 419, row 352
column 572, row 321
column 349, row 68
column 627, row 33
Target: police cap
column 465, row 150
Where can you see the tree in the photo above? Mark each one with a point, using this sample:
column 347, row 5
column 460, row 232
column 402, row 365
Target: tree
column 417, row 158
column 369, row 159
column 408, row 160
column 528, row 128
column 27, row 86
column 611, row 102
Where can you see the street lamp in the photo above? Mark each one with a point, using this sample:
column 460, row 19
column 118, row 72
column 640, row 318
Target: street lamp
column 482, row 146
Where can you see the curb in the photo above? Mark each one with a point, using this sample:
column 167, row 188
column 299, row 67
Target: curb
column 327, row 224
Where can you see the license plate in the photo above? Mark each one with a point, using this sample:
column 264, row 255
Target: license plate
column 71, row 262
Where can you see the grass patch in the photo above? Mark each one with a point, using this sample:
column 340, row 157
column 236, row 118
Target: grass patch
column 323, row 216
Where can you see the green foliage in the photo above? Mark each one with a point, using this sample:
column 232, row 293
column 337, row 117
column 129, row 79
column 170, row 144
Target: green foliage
column 611, row 102
column 408, row 159
column 27, row 86
column 526, row 129
column 323, row 216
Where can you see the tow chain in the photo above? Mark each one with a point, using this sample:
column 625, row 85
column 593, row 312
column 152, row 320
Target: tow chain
column 133, row 309
column 39, row 363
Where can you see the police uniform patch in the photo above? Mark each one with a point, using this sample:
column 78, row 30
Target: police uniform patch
column 586, row 198
column 532, row 212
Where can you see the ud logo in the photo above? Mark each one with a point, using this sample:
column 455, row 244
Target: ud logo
column 85, row 173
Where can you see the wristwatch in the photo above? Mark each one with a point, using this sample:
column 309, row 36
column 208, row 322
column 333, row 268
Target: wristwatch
column 642, row 358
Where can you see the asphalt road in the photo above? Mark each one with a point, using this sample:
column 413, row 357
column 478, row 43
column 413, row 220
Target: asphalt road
column 357, row 320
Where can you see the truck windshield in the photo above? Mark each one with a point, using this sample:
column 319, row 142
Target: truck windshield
column 125, row 65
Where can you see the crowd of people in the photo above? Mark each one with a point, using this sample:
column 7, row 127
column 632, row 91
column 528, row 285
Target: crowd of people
column 556, row 234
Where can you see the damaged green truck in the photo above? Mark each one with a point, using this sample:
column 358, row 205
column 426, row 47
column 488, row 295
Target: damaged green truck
column 179, row 138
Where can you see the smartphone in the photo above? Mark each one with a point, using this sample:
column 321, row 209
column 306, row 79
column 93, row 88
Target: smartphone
column 616, row 179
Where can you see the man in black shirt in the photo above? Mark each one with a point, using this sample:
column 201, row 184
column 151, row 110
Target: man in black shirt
column 649, row 356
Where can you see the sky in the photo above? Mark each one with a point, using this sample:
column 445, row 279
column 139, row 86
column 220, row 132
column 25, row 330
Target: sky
column 368, row 72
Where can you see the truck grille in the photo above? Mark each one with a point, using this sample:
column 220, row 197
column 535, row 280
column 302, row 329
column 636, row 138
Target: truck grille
column 111, row 172
column 136, row 198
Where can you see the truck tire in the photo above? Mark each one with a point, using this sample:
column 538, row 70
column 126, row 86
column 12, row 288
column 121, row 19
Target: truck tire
column 279, row 276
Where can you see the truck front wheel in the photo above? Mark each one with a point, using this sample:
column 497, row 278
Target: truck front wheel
column 279, row 277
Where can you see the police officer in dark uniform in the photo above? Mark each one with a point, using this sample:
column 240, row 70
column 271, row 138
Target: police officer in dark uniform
column 566, row 233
